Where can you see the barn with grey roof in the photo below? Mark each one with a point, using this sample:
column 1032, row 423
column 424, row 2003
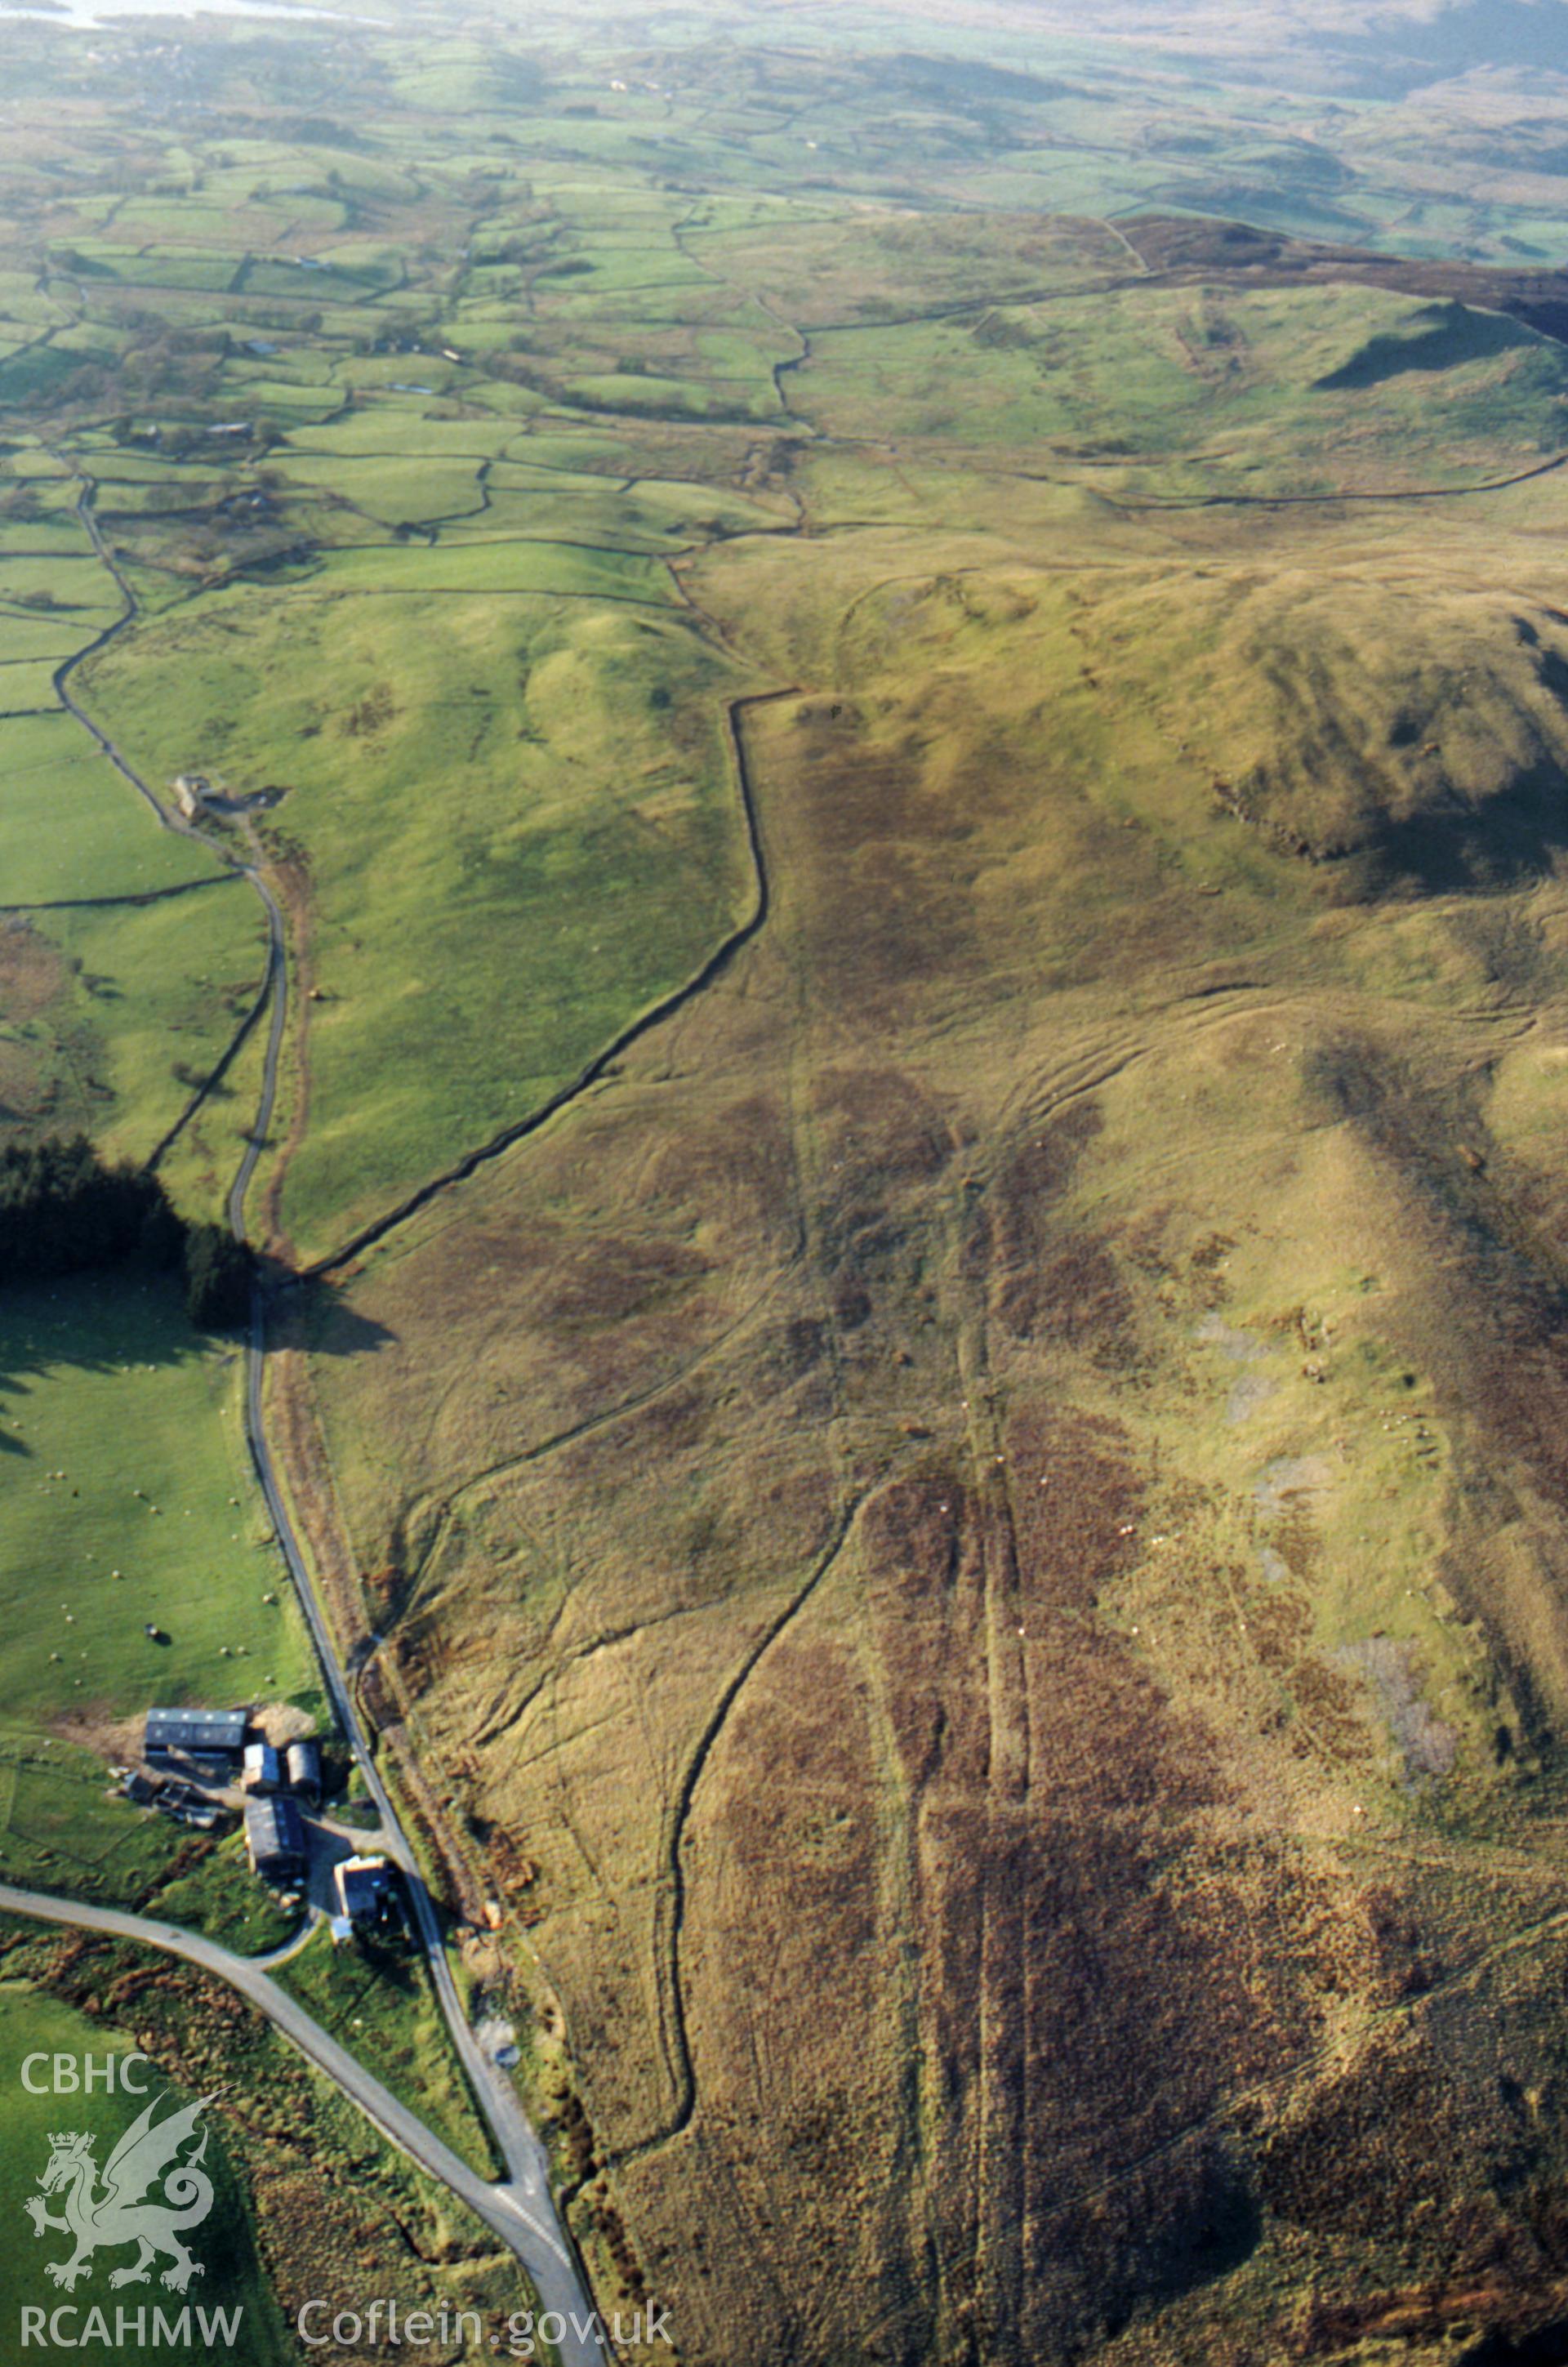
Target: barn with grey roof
column 275, row 1837
column 194, row 1734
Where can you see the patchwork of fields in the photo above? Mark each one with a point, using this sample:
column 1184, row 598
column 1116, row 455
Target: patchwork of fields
column 916, row 1181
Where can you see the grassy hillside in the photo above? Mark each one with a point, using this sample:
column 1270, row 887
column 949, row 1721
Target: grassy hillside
column 985, row 1438
column 967, row 1544
column 1207, row 393
column 508, row 837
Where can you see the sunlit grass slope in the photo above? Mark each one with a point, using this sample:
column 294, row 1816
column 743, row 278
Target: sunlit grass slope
column 1211, row 392
column 516, row 820
column 121, row 1452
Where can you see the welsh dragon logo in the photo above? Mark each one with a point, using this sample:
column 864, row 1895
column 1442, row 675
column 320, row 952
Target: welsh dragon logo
column 118, row 2214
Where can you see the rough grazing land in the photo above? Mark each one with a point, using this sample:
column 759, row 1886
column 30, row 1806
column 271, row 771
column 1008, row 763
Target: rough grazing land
column 904, row 673
column 1002, row 1569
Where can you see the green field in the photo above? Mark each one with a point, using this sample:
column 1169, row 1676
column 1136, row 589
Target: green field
column 128, row 1499
column 31, row 2024
column 377, row 2001
column 71, row 827
column 473, row 944
column 64, row 1829
column 132, row 1007
column 560, row 570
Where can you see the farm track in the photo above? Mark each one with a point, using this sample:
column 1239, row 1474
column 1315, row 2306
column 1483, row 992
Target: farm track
column 674, row 2039
column 525, row 2213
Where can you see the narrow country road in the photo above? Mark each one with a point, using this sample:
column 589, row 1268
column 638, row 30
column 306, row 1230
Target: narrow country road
column 528, row 2214
column 503, row 2209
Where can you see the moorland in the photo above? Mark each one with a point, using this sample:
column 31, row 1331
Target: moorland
column 905, row 681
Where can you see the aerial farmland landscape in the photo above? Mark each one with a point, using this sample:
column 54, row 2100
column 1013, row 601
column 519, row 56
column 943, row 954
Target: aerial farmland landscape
column 783, row 1183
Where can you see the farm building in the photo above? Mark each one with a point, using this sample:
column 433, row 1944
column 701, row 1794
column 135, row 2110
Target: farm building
column 218, row 1734
column 191, row 792
column 274, row 1839
column 364, row 1888
column 302, row 1768
column 263, row 1768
